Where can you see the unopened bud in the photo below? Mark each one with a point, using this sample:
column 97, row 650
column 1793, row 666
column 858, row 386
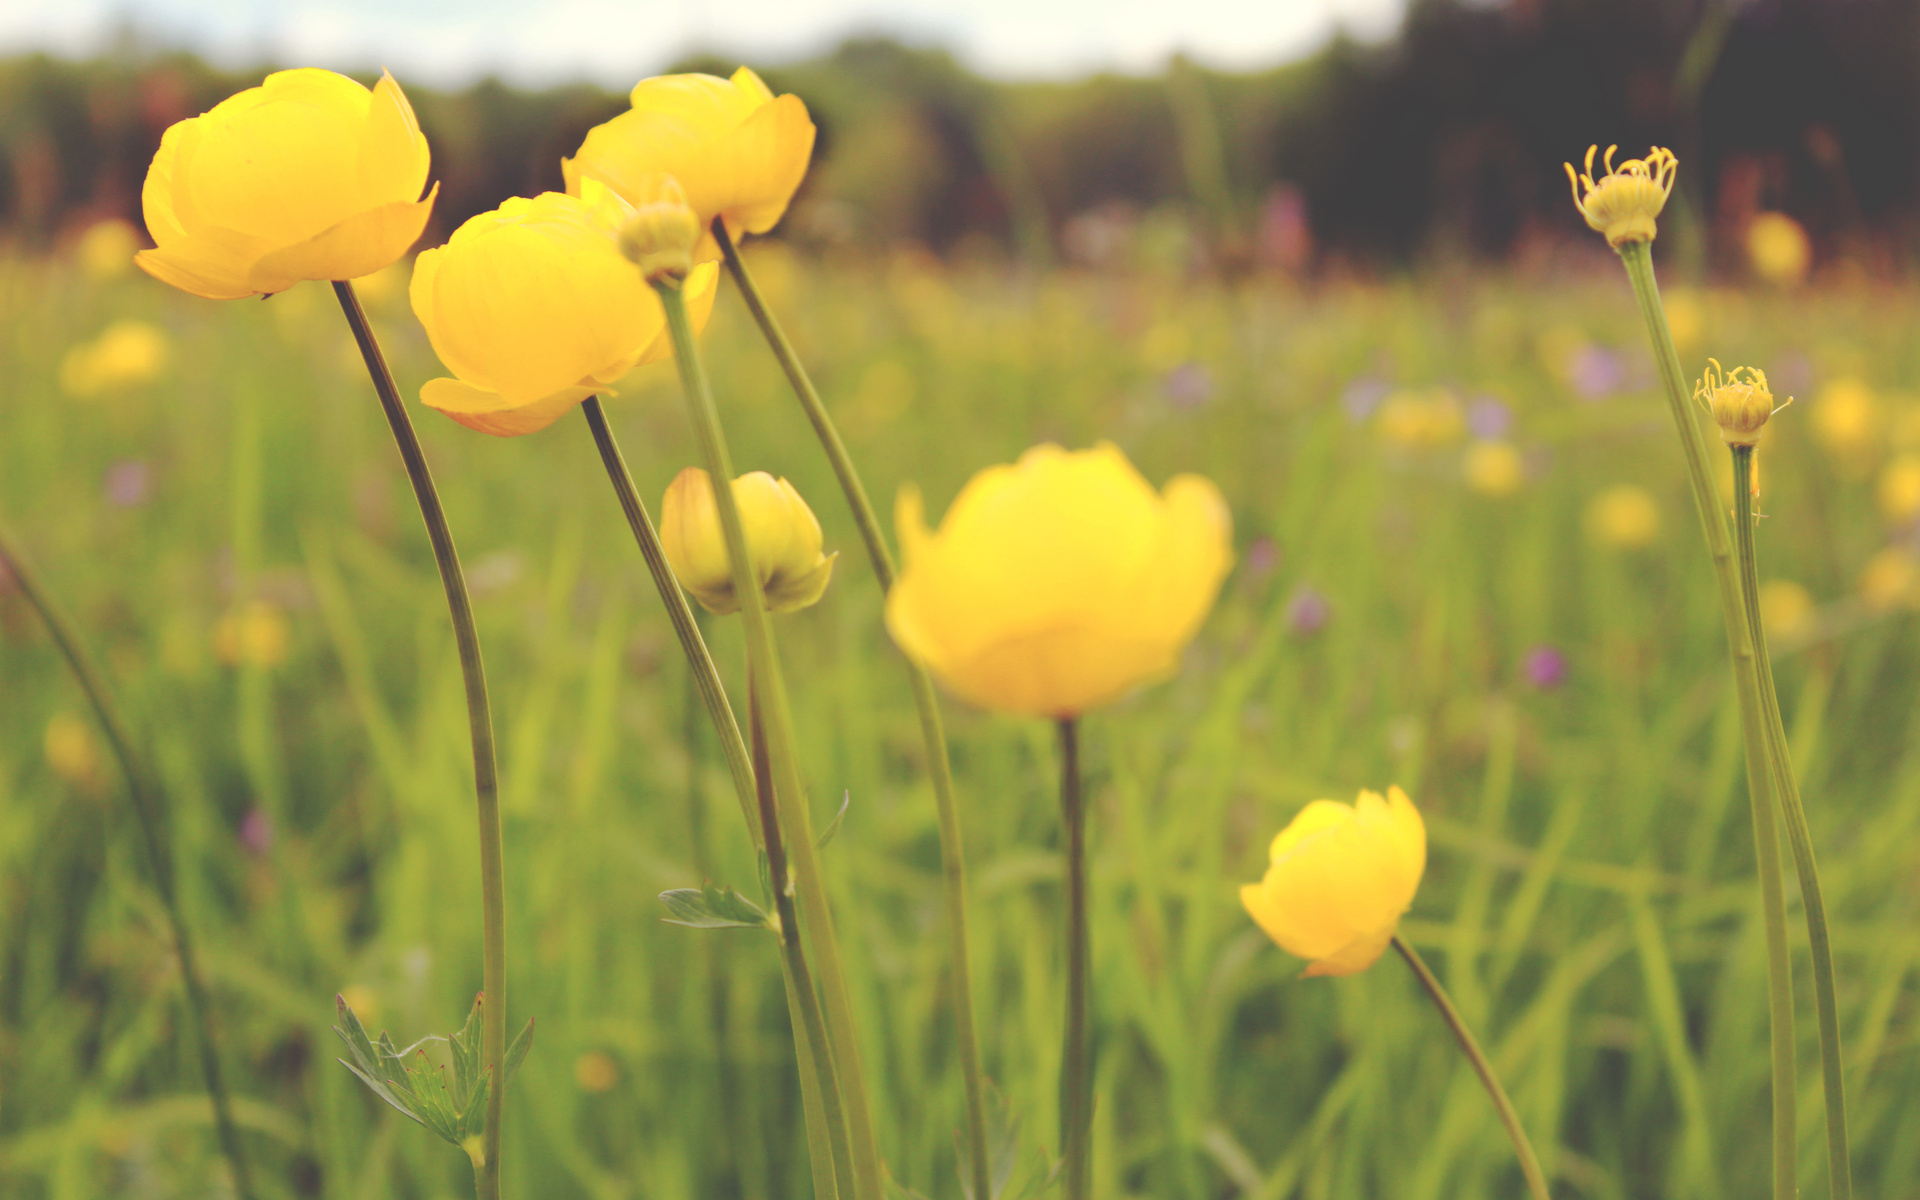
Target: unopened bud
column 660, row 235
column 783, row 540
column 1739, row 400
column 1624, row 202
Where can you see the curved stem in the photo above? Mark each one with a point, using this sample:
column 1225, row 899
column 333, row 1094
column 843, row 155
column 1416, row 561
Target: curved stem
column 493, row 1047
column 1076, row 1067
column 1787, row 788
column 1637, row 257
column 143, row 789
column 789, row 790
column 1522, row 1148
column 953, row 858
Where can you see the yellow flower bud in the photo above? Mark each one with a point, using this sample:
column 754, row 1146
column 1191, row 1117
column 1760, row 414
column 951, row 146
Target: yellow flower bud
column 308, row 176
column 1060, row 582
column 1739, row 406
column 533, row 309
column 1623, row 517
column 1339, row 880
column 739, row 151
column 1624, row 202
column 660, row 235
column 783, row 540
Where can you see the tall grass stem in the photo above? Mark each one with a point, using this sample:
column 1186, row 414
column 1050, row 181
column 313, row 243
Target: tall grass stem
column 143, row 789
column 953, row 858
column 1076, row 1066
column 486, row 786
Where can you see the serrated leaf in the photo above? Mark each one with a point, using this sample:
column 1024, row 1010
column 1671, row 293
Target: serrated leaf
column 435, row 1105
column 381, row 1090
column 833, row 826
column 466, row 1051
column 373, row 1065
column 473, row 1120
column 708, row 907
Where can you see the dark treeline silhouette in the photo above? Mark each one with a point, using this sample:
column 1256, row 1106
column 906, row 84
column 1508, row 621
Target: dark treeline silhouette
column 1447, row 139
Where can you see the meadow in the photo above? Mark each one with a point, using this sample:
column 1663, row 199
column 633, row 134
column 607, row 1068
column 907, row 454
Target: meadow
column 1439, row 584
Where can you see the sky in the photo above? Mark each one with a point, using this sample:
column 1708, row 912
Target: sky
column 452, row 42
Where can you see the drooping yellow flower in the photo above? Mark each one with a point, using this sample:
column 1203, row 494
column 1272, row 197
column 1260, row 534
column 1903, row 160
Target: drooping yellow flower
column 1740, row 405
column 308, row 176
column 1624, row 202
column 533, row 308
column 783, row 539
column 1624, row 517
column 1778, row 249
column 127, row 353
column 1493, row 468
column 737, row 149
column 1060, row 582
column 1339, row 880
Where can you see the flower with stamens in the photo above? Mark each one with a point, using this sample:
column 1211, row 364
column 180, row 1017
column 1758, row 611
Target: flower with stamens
column 1739, row 400
column 1624, row 202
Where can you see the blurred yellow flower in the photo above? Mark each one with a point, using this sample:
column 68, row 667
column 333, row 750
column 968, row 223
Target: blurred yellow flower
column 738, row 150
column 1058, row 583
column 1493, row 468
column 106, row 249
column 595, row 1071
column 783, row 539
column 533, row 309
column 1339, row 880
column 127, row 354
column 1686, row 320
column 73, row 751
column 1786, row 608
column 1740, row 405
column 1899, row 490
column 1624, row 202
column 255, row 634
column 1778, row 249
column 1891, row 579
column 1624, row 517
column 308, row 176
column 1846, row 419
column 1422, row 420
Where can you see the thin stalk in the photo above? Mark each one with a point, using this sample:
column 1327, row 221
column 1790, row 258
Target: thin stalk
column 486, row 786
column 827, row 1114
column 1076, row 1066
column 1522, row 1148
column 789, row 791
column 1638, row 260
column 1787, row 788
column 143, row 788
column 953, row 858
column 706, row 679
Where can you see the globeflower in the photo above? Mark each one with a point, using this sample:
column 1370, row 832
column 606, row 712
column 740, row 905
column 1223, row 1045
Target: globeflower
column 1624, row 202
column 738, row 150
column 308, row 176
column 533, row 308
column 1060, row 582
column 1339, row 878
column 783, row 540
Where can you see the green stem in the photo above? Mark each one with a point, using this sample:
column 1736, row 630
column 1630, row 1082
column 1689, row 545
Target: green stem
column 1787, row 789
column 1638, row 260
column 1076, row 1067
column 143, row 789
column 493, row 1047
column 1522, row 1148
column 789, row 791
column 686, row 627
column 953, row 858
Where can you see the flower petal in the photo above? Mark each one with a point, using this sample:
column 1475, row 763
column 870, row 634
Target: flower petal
column 359, row 245
column 490, row 412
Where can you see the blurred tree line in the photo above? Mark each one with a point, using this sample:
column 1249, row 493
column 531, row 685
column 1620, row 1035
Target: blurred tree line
column 1446, row 140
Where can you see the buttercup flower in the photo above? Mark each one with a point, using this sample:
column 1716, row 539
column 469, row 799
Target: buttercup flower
column 1060, row 582
column 534, row 309
column 1624, row 202
column 783, row 539
column 1740, row 406
column 737, row 149
column 1339, row 880
column 308, row 176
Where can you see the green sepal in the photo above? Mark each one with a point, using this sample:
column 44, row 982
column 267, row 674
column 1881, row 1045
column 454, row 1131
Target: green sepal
column 708, row 907
column 833, row 826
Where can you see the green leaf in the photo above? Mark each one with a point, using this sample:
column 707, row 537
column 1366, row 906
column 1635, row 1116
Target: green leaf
column 708, row 907
column 436, row 1107
column 517, row 1052
column 372, row 1065
column 833, row 826
column 466, row 1051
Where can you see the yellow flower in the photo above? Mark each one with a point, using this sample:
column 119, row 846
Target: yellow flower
column 308, row 176
column 1624, row 202
column 1846, row 419
column 1739, row 406
column 534, row 309
column 1421, row 419
column 1899, row 490
column 1341, row 876
column 106, row 249
column 1891, row 579
column 1778, row 249
column 1060, row 582
column 1786, row 608
column 1493, row 468
column 595, row 1071
column 1685, row 318
column 73, row 752
column 783, row 539
column 256, row 633
column 1624, row 517
column 737, row 149
column 127, row 354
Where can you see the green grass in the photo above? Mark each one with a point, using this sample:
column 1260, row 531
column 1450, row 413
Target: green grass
column 1589, row 899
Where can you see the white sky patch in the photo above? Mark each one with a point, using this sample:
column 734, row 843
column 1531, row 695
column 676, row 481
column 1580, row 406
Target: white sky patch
column 452, row 42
